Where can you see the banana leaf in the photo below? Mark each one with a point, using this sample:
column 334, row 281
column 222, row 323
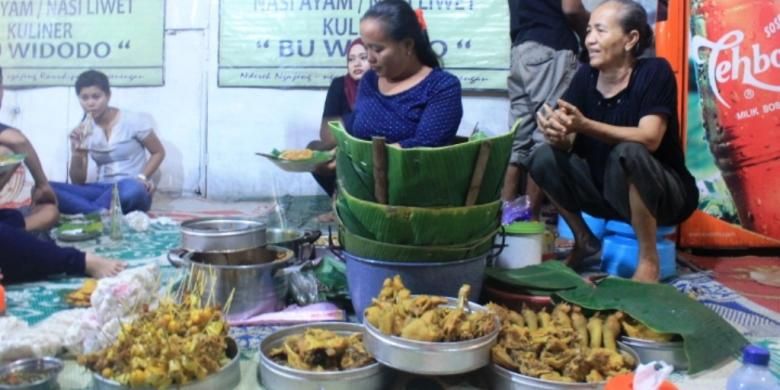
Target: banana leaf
column 540, row 279
column 370, row 249
column 422, row 177
column 417, row 225
column 708, row 339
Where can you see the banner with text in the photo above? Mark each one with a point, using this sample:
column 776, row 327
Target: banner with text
column 302, row 43
column 50, row 42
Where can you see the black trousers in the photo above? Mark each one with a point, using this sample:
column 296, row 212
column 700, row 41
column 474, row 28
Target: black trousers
column 566, row 178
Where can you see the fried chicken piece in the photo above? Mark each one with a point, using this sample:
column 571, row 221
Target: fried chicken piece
column 611, row 331
column 635, row 329
column 531, row 320
column 557, row 354
column 545, row 319
column 560, row 315
column 595, row 325
column 580, row 325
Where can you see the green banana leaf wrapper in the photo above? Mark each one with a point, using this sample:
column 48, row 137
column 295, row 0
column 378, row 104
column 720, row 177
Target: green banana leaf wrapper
column 422, row 177
column 376, row 250
column 307, row 165
column 543, row 279
column 416, row 225
column 708, row 339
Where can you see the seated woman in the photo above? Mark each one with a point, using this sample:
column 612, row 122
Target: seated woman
column 117, row 141
column 406, row 97
column 23, row 256
column 339, row 102
column 626, row 161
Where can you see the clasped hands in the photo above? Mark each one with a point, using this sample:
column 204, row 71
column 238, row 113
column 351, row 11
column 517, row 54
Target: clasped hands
column 558, row 124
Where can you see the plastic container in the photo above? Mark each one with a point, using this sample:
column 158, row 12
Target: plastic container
column 596, row 226
column 365, row 278
column 523, row 245
column 754, row 373
column 620, row 251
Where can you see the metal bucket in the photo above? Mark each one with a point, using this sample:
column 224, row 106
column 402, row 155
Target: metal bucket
column 257, row 288
column 366, row 276
column 222, row 234
column 276, row 376
column 670, row 352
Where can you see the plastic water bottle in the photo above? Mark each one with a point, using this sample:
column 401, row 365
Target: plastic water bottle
column 754, row 373
column 116, row 214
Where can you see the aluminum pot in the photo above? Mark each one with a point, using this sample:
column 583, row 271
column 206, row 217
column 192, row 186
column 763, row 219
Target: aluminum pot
column 48, row 367
column 256, row 288
column 671, row 352
column 503, row 379
column 431, row 358
column 276, row 376
column 301, row 242
column 223, row 234
column 226, row 378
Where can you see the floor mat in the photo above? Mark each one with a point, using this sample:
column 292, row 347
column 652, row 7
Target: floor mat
column 756, row 278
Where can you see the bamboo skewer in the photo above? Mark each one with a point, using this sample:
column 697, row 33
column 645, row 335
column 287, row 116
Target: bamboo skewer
column 478, row 173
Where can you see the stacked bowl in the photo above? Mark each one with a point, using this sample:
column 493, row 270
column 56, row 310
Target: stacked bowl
column 428, row 214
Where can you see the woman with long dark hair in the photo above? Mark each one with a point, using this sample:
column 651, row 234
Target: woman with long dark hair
column 406, row 97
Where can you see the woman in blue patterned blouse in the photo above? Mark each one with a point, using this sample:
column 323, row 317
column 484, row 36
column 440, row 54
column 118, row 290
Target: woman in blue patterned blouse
column 406, row 97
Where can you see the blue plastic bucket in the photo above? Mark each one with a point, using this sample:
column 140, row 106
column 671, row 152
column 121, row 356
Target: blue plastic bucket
column 365, row 278
column 626, row 230
column 620, row 256
column 596, row 226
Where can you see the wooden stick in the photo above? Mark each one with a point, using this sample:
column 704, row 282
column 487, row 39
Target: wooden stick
column 380, row 169
column 479, row 173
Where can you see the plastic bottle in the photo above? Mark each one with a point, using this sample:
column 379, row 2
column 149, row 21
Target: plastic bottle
column 116, row 214
column 754, row 373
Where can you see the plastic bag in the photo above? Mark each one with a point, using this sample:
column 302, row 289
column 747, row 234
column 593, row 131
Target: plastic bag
column 332, row 275
column 516, row 210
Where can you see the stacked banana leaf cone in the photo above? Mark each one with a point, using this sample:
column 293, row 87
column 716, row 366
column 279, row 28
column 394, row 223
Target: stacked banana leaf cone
column 421, row 204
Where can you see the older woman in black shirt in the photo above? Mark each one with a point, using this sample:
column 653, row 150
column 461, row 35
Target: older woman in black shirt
column 613, row 145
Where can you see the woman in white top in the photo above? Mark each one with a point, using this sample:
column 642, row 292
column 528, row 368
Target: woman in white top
column 117, row 141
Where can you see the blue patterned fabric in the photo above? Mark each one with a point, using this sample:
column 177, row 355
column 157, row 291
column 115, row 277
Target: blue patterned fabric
column 427, row 114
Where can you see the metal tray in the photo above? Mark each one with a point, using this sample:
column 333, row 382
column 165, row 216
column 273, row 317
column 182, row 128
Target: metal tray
column 504, row 379
column 227, row 378
column 671, row 352
column 431, row 358
column 276, row 376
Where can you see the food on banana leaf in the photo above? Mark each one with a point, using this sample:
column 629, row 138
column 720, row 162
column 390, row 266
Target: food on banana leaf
column 396, row 312
column 560, row 346
column 322, row 350
column 296, row 154
column 174, row 344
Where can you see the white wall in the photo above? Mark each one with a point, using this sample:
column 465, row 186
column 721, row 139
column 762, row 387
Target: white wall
column 210, row 134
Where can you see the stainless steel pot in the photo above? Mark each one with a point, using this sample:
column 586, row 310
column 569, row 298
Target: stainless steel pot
column 301, row 242
column 222, row 234
column 257, row 288
column 227, row 378
column 431, row 358
column 503, row 379
column 48, row 367
column 276, row 376
column 670, row 352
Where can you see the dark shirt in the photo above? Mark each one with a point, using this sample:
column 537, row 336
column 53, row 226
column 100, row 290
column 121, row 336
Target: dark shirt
column 651, row 90
column 427, row 114
column 3, row 126
column 541, row 21
column 336, row 104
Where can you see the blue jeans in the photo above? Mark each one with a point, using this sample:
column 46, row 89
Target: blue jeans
column 26, row 258
column 92, row 197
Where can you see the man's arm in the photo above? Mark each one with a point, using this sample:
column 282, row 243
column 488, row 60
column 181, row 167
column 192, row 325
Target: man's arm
column 576, row 16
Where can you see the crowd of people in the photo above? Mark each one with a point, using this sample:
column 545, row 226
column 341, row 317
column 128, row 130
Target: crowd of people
column 598, row 128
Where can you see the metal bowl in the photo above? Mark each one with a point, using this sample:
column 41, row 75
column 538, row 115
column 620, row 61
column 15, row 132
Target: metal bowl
column 227, row 378
column 276, row 376
column 671, row 352
column 504, row 379
column 431, row 358
column 49, row 366
column 222, row 234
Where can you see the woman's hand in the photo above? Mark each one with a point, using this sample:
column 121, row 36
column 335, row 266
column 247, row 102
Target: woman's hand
column 148, row 184
column 571, row 117
column 78, row 137
column 549, row 123
column 43, row 194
